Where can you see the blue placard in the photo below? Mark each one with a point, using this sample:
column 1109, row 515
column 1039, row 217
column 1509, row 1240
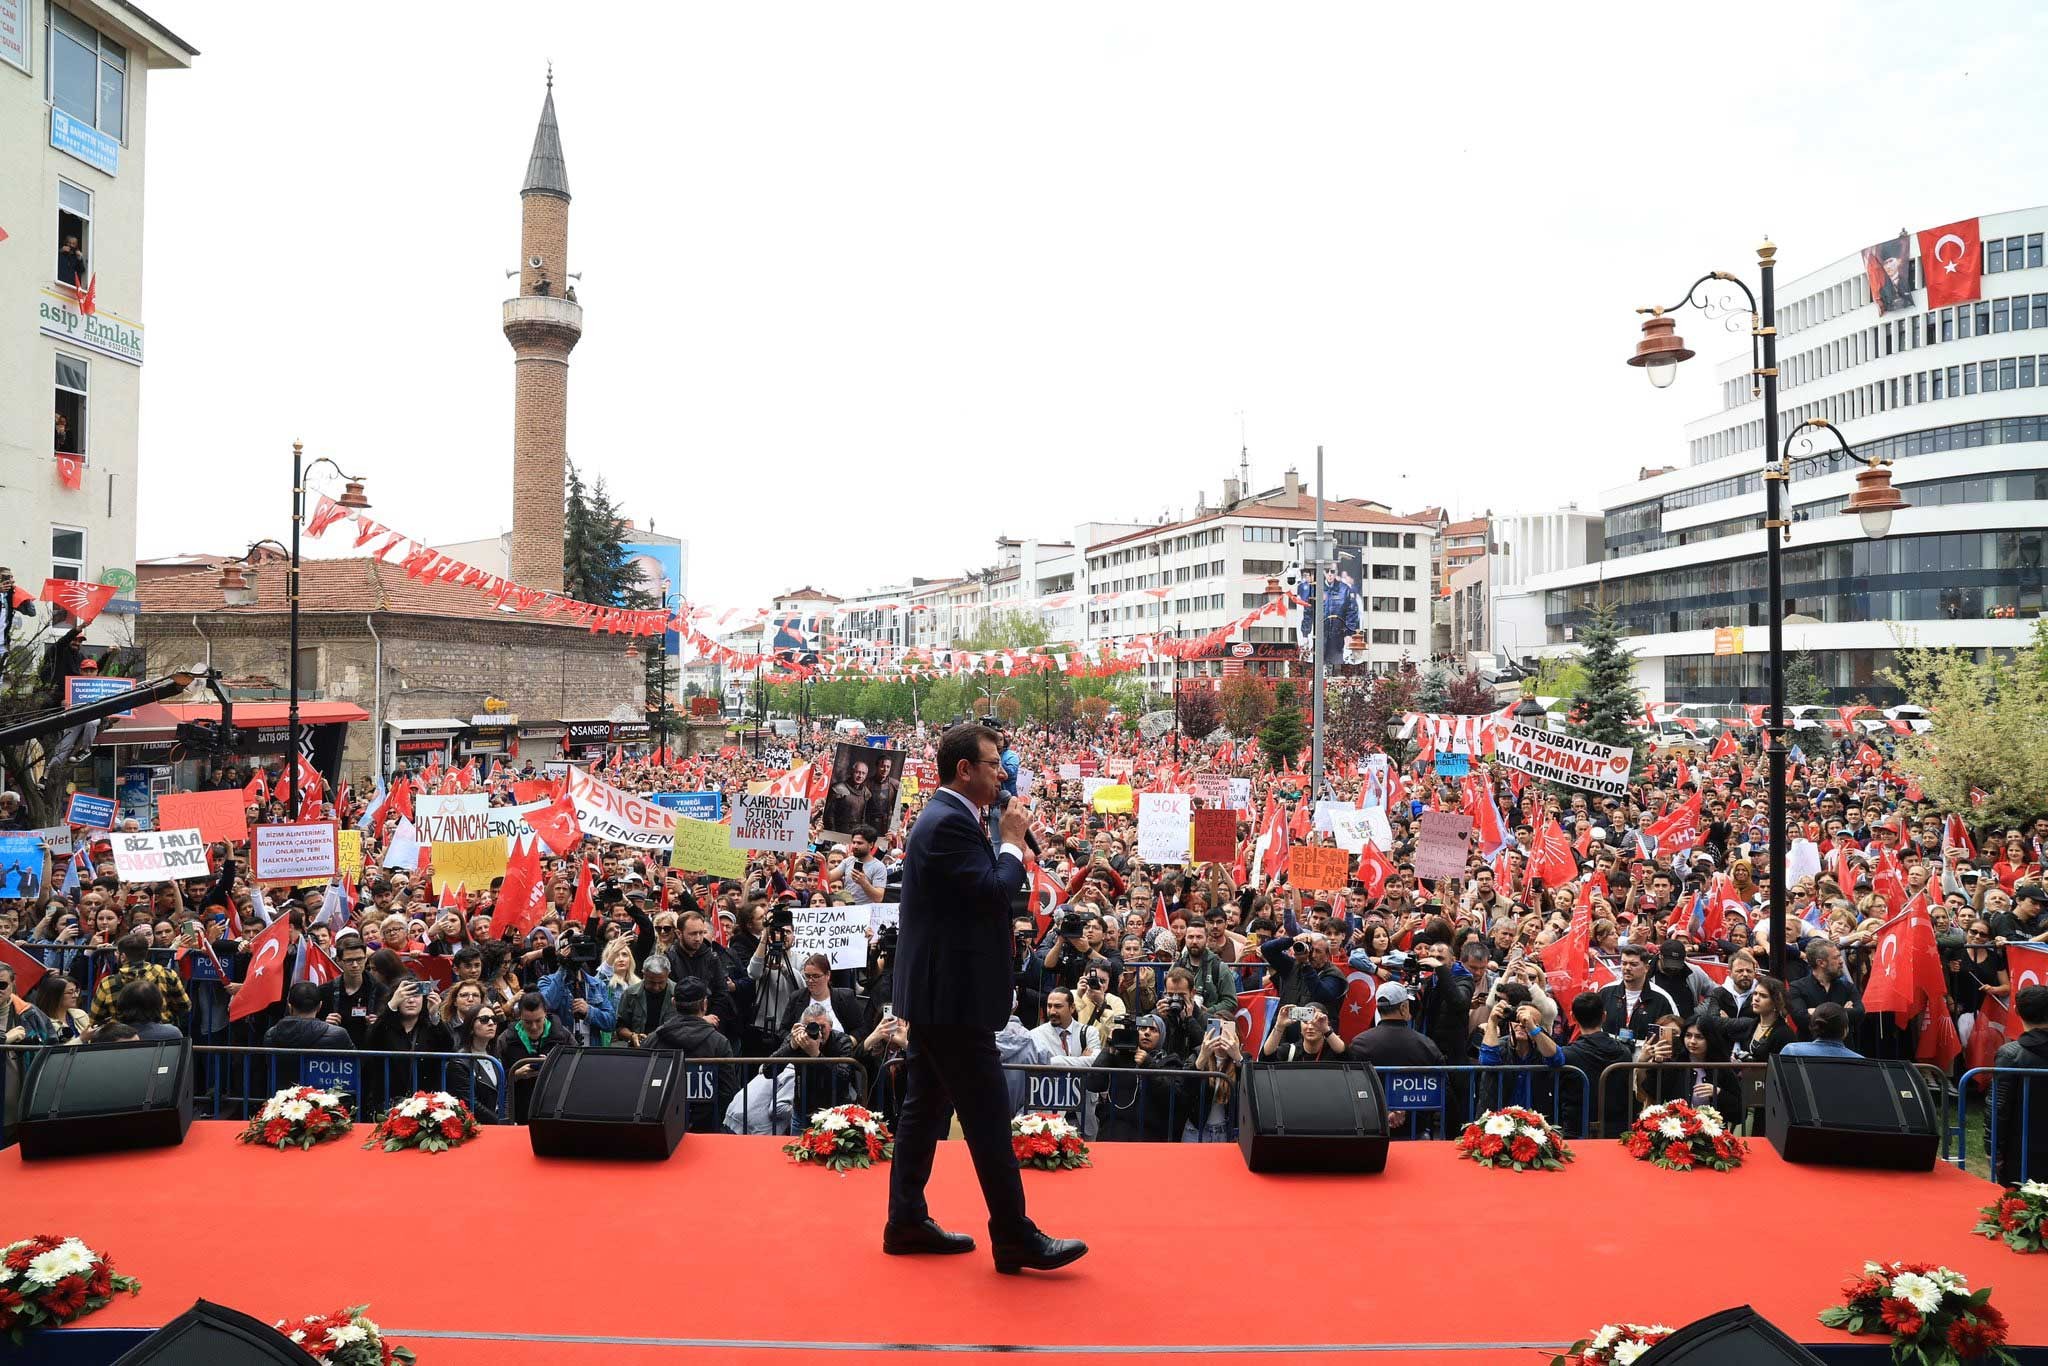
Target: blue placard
column 1414, row 1090
column 80, row 689
column 82, row 140
column 700, row 1083
column 91, row 811
column 701, row 806
column 876, row 742
column 330, row 1072
column 1052, row 1091
column 22, row 865
column 1452, row 763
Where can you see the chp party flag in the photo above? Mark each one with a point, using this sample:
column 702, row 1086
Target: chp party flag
column 81, row 601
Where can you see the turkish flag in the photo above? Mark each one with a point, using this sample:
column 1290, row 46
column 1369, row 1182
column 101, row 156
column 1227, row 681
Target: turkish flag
column 83, row 602
column 1952, row 263
column 583, row 905
column 556, row 826
column 1360, row 1008
column 257, row 790
column 523, row 893
column 1889, row 881
column 1725, row 747
column 1255, row 1011
column 314, row 965
column 27, row 971
column 1373, row 869
column 1905, row 965
column 1996, row 1024
column 1045, row 897
column 264, row 986
column 533, row 790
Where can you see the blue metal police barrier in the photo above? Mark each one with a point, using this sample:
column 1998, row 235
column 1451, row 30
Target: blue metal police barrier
column 1440, row 1101
column 774, row 1096
column 86, row 964
column 2022, row 1081
column 233, row 1082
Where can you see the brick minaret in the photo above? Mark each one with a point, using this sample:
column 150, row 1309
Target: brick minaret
column 543, row 324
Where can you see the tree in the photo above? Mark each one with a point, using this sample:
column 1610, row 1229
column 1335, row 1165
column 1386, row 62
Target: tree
column 1091, row 710
column 1803, row 687
column 595, row 566
column 1347, row 717
column 1247, row 702
column 1281, row 738
column 1007, row 631
column 1469, row 695
column 1433, row 693
column 1990, row 730
column 1392, row 696
column 1199, row 711
column 1560, row 676
column 40, row 653
column 1608, row 703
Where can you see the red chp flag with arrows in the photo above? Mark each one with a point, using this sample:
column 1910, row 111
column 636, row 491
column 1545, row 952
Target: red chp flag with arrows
column 264, row 986
column 1906, row 978
column 82, row 602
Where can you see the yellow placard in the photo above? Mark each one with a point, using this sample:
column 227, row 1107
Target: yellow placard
column 350, row 852
column 470, row 864
column 1115, row 799
column 909, row 785
column 706, row 847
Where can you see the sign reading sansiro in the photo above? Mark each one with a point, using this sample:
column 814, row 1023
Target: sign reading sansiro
column 59, row 316
column 1567, row 760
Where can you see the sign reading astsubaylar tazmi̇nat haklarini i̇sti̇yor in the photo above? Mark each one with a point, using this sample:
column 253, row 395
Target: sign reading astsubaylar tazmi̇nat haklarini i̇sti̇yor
column 1567, row 760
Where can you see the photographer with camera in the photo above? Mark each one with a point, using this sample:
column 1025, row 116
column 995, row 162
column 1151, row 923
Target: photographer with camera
column 1302, row 972
column 1513, row 1036
column 776, row 982
column 816, row 1035
column 1068, row 957
column 1304, row 1035
column 580, row 1001
column 1133, row 1107
column 1180, row 1009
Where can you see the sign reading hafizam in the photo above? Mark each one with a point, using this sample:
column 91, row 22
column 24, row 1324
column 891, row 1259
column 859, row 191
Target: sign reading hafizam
column 838, row 932
column 1568, row 760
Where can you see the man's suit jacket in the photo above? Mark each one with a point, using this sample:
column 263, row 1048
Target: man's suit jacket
column 953, row 960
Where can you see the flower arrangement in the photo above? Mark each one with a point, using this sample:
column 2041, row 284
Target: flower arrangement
column 1684, row 1137
column 2017, row 1217
column 1616, row 1344
column 1514, row 1137
column 841, row 1137
column 431, row 1121
column 1930, row 1311
column 344, row 1338
column 45, row 1281
column 1048, row 1142
column 298, row 1117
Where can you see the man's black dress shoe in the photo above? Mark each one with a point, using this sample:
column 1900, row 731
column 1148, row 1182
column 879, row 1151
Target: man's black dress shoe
column 900, row 1240
column 1039, row 1254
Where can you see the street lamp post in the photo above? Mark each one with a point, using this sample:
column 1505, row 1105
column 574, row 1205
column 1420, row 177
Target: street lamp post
column 1658, row 354
column 236, row 591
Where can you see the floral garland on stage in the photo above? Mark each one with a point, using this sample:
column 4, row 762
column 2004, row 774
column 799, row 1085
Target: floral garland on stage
column 46, row 1281
column 1514, row 1137
column 1933, row 1317
column 1616, row 1344
column 1683, row 1138
column 1048, row 1142
column 842, row 1137
column 431, row 1121
column 2017, row 1218
column 347, row 1337
column 298, row 1117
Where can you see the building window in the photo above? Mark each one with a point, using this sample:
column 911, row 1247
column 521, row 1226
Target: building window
column 1264, row 566
column 74, row 233
column 70, row 405
column 1386, row 540
column 1380, row 637
column 1387, row 571
column 2007, row 374
column 67, row 552
column 1994, row 256
column 1969, row 379
column 1408, row 572
column 88, row 73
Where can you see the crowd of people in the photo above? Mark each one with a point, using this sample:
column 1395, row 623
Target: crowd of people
column 1141, row 988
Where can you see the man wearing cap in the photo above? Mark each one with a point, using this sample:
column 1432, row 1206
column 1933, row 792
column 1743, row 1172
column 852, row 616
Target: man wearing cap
column 708, row 1088
column 2026, row 922
column 1393, row 1040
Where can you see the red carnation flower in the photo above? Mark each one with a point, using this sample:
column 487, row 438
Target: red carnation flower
column 451, row 1127
column 1969, row 1338
column 403, row 1126
column 277, row 1130
column 19, row 1259
column 1993, row 1321
column 8, row 1299
column 1639, row 1145
column 1490, row 1145
column 1900, row 1317
column 1523, row 1149
column 1679, row 1155
column 874, row 1148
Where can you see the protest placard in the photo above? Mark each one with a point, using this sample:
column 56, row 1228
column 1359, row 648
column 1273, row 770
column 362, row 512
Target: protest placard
column 1240, row 794
column 403, row 849
column 348, row 852
column 611, row 815
column 1567, row 760
column 706, row 847
column 780, row 824
column 1213, row 789
column 471, row 864
column 1318, row 868
column 1320, row 820
column 1352, row 826
column 1215, row 835
column 838, row 932
column 866, row 789
column 508, row 822
column 89, row 811
column 454, row 817
column 159, row 855
column 281, row 853
column 1118, row 768
column 1163, row 827
column 1113, row 799
column 1070, row 773
column 222, row 815
column 1378, row 829
column 698, row 806
column 1453, row 763
column 23, row 865
column 1443, row 841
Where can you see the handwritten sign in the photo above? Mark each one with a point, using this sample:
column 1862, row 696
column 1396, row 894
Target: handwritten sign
column 781, row 824
column 1163, row 827
column 838, row 932
column 159, row 855
column 1318, row 868
column 706, row 847
column 455, row 818
column 1442, row 843
column 1352, row 827
column 1215, row 835
column 290, row 852
column 1112, row 799
column 469, row 863
column 348, row 852
column 1213, row 789
column 219, row 815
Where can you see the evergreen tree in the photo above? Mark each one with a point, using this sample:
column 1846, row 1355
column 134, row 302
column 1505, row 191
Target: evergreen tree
column 1282, row 737
column 595, row 566
column 1608, row 702
column 1803, row 687
column 1433, row 693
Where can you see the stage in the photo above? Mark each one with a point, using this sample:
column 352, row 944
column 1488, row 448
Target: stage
column 729, row 1252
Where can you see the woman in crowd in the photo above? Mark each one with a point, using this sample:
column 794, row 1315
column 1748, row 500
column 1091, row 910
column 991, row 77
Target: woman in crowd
column 459, row 1006
column 500, row 976
column 1980, row 970
column 58, row 998
column 2013, row 866
column 618, row 960
column 479, row 1077
column 1212, row 1118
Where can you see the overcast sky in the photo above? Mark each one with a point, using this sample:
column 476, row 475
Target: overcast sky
column 866, row 286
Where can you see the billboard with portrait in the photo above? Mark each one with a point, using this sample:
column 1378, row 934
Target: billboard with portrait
column 661, row 577
column 866, row 790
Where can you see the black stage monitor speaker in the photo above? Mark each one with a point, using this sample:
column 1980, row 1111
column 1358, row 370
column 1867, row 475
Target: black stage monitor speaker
column 608, row 1102
column 98, row 1098
column 1312, row 1117
column 1851, row 1112
column 1733, row 1337
column 211, row 1334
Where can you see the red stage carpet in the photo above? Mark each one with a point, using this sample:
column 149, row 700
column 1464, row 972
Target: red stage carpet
column 728, row 1252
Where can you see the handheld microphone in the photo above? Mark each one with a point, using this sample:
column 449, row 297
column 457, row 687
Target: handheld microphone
column 1030, row 836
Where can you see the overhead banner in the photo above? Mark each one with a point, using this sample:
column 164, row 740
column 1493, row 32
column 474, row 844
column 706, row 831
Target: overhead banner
column 1888, row 265
column 159, row 855
column 612, row 816
column 1568, row 760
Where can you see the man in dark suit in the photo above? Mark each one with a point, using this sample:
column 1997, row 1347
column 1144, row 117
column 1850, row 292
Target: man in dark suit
column 953, row 986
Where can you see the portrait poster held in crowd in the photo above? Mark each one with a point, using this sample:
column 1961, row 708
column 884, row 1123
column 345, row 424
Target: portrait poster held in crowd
column 23, row 862
column 866, row 790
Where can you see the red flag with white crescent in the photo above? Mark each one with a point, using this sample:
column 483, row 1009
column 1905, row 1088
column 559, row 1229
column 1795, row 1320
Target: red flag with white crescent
column 264, row 985
column 1951, row 262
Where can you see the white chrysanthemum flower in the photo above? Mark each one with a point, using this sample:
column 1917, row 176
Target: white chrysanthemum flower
column 1652, row 1112
column 70, row 1258
column 2037, row 1190
column 1625, row 1352
column 324, row 1099
column 437, row 1115
column 1710, row 1124
column 1950, row 1280
column 1604, row 1339
column 832, row 1123
column 1663, row 1328
column 1873, row 1269
column 412, row 1109
column 347, row 1333
column 295, row 1110
column 1500, row 1126
column 298, row 1335
column 1919, row 1291
column 1671, row 1128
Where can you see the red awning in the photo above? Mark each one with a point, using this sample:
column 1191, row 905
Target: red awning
column 157, row 722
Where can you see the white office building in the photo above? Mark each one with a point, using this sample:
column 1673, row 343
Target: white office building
column 1956, row 396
